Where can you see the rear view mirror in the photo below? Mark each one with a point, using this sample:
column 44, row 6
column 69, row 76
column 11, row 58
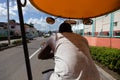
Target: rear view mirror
column 50, row 20
column 87, row 21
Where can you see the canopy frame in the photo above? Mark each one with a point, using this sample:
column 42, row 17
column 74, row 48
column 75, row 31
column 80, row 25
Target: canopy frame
column 24, row 41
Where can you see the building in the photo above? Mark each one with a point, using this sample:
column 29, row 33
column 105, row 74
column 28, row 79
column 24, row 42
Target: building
column 3, row 29
column 15, row 30
column 107, row 25
column 105, row 31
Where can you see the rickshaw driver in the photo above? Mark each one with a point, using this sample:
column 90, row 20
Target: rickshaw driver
column 71, row 55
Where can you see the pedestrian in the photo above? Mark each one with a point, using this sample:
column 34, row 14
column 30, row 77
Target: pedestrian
column 71, row 55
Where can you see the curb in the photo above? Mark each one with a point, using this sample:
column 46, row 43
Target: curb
column 102, row 72
column 3, row 48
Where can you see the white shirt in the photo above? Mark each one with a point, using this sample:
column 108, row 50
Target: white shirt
column 71, row 63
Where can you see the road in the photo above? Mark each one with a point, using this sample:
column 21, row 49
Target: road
column 12, row 63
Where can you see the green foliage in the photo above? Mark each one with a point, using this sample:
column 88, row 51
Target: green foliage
column 17, row 42
column 14, row 43
column 3, row 45
column 109, row 57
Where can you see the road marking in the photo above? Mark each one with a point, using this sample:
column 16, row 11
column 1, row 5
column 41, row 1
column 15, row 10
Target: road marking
column 34, row 53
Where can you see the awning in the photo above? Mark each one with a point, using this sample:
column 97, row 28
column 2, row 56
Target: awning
column 76, row 8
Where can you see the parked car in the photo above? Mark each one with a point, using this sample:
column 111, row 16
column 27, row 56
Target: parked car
column 29, row 36
column 46, row 35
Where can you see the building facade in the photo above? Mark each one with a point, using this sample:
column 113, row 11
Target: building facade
column 107, row 25
column 15, row 29
column 105, row 31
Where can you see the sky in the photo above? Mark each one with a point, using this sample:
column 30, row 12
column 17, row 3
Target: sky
column 31, row 15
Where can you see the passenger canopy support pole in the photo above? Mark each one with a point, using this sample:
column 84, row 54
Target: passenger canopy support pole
column 26, row 54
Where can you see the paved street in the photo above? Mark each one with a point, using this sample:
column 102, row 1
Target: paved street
column 12, row 63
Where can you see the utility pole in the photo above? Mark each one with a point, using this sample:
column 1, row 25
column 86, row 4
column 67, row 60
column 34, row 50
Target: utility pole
column 8, row 22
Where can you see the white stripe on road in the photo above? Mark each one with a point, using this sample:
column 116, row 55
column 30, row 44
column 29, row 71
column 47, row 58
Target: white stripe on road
column 34, row 53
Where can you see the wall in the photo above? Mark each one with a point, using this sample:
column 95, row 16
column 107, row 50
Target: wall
column 106, row 42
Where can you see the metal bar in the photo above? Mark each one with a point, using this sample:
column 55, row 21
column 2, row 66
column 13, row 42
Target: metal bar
column 26, row 54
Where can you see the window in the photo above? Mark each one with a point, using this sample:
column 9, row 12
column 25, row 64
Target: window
column 115, row 23
column 117, row 33
column 1, row 25
column 12, row 27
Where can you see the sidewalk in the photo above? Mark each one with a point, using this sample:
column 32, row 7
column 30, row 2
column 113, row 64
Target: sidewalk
column 4, row 44
column 6, row 41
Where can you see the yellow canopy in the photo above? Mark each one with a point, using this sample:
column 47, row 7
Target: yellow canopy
column 76, row 8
